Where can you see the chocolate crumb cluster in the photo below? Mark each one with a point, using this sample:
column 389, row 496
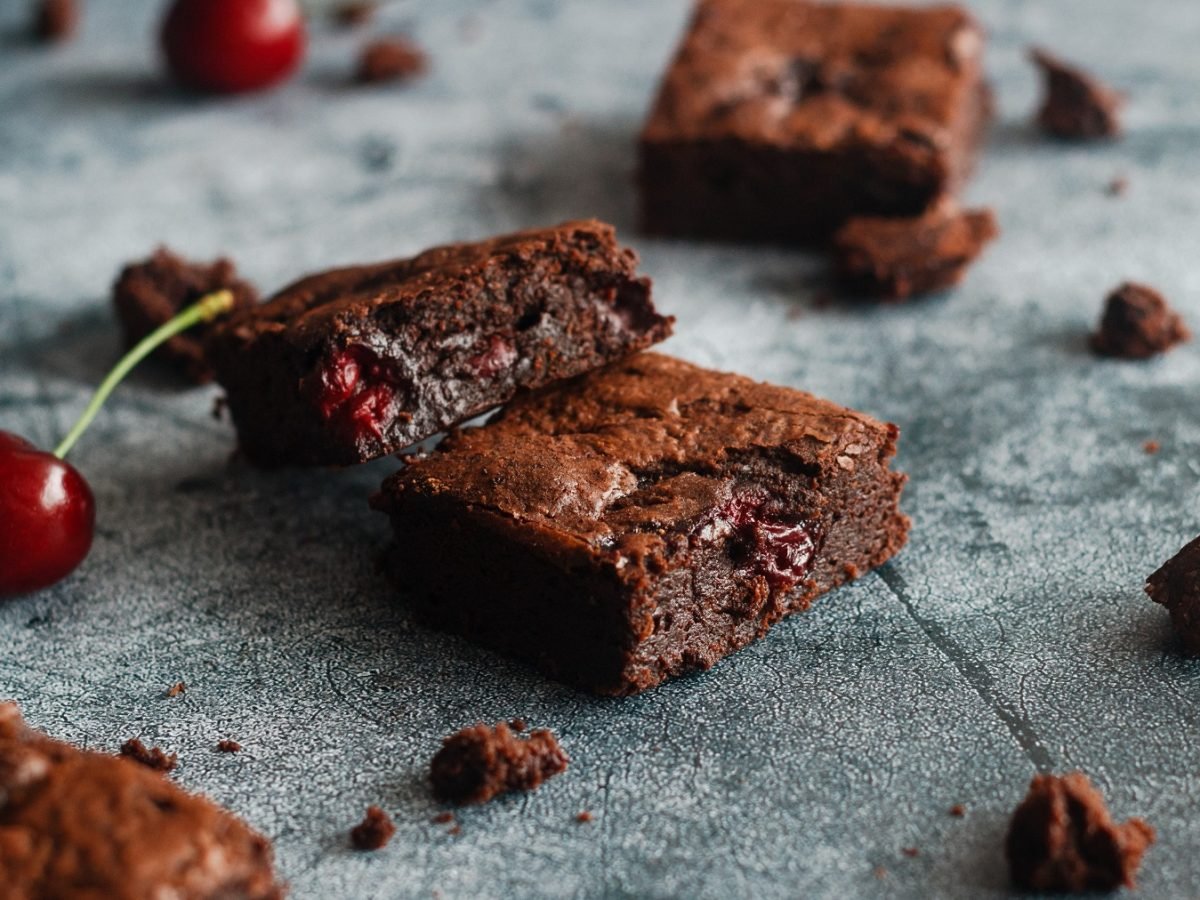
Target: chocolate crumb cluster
column 1062, row 839
column 374, row 831
column 482, row 762
column 150, row 757
column 1176, row 586
column 390, row 59
column 1138, row 323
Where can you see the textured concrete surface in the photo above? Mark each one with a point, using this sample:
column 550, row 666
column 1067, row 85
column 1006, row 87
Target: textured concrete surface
column 1010, row 636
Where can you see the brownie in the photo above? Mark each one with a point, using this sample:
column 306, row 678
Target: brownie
column 149, row 293
column 778, row 120
column 1063, row 839
column 1138, row 324
column 642, row 521
column 1176, row 585
column 390, row 59
column 374, row 831
column 895, row 258
column 74, row 823
column 481, row 762
column 1076, row 105
column 356, row 363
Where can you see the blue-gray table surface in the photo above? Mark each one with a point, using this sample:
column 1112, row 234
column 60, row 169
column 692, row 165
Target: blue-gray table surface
column 1010, row 635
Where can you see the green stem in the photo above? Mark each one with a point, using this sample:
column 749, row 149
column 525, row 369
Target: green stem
column 204, row 310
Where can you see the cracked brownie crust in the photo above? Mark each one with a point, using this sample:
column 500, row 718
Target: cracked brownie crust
column 779, row 119
column 356, row 363
column 79, row 824
column 643, row 521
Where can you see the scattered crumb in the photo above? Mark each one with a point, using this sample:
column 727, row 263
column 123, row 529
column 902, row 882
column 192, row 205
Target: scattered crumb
column 374, row 831
column 1118, row 187
column 176, row 689
column 1176, row 585
column 1152, row 447
column 390, row 59
column 958, row 810
column 154, row 758
column 584, row 816
column 1076, row 105
column 1138, row 323
column 481, row 762
column 455, row 831
column 228, row 746
column 443, row 818
column 1062, row 839
column 910, row 852
column 880, row 873
column 518, row 724
column 354, row 13
column 56, row 20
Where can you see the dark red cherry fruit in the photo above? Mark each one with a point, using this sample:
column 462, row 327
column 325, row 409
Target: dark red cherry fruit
column 229, row 46
column 47, row 517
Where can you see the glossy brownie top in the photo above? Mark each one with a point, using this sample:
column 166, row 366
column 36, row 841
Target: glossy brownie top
column 636, row 447
column 817, row 75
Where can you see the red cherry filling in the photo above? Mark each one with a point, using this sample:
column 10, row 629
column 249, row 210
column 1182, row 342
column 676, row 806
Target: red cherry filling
column 777, row 545
column 353, row 387
column 498, row 355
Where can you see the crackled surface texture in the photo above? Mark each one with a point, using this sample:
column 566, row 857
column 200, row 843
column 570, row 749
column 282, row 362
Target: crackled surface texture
column 1010, row 635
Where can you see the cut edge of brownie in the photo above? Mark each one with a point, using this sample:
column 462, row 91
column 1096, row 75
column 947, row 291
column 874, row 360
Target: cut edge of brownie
column 651, row 604
column 353, row 364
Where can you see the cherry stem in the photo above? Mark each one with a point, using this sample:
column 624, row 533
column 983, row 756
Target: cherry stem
column 205, row 309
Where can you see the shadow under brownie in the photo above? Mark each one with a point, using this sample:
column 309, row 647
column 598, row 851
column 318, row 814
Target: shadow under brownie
column 642, row 521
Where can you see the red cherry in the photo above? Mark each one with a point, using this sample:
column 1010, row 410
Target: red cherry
column 227, row 46
column 47, row 517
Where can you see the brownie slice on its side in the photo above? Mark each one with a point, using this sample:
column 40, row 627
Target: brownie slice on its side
column 1062, row 839
column 643, row 521
column 74, row 823
column 357, row 363
column 899, row 258
column 780, row 119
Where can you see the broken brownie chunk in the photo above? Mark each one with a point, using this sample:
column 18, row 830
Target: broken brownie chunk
column 74, row 823
column 1176, row 585
column 374, row 831
column 898, row 258
column 357, row 363
column 390, row 59
column 156, row 758
column 1063, row 839
column 479, row 763
column 150, row 293
column 643, row 521
column 1076, row 105
column 778, row 120
column 1138, row 324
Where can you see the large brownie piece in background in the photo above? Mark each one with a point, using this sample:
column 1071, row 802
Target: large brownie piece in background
column 78, row 824
column 643, row 521
column 780, row 119
column 352, row 364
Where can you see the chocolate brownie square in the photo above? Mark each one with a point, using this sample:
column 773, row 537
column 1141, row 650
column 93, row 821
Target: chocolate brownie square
column 349, row 365
column 644, row 520
column 780, row 119
column 74, row 823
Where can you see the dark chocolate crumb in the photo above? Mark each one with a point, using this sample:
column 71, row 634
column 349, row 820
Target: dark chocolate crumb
column 584, row 816
column 910, row 852
column 1076, row 105
column 390, row 59
column 151, row 758
column 1176, row 585
column 481, row 762
column 374, row 831
column 880, row 873
column 228, row 746
column 56, row 20
column 1063, row 839
column 1118, row 187
column 176, row 689
column 518, row 724
column 1152, row 447
column 455, row 831
column 357, row 12
column 958, row 810
column 443, row 818
column 1138, row 323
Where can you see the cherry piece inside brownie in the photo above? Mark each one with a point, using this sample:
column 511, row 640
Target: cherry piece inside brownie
column 780, row 119
column 644, row 520
column 349, row 365
column 74, row 823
